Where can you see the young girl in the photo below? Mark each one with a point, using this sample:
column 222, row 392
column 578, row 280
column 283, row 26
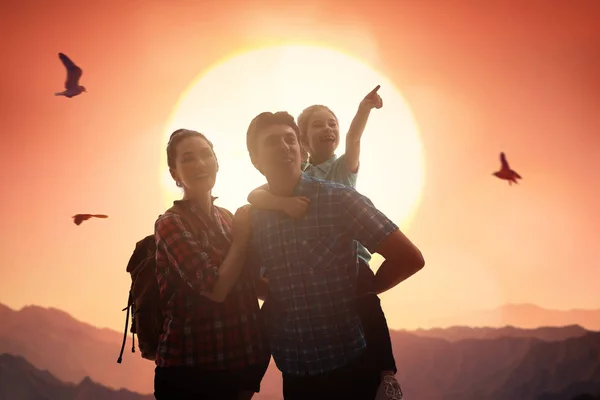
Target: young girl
column 319, row 134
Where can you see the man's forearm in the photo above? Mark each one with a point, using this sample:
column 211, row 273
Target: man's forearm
column 391, row 274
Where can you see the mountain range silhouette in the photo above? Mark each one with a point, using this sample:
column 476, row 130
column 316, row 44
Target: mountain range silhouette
column 46, row 349
column 21, row 380
column 527, row 316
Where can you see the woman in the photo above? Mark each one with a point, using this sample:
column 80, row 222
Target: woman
column 211, row 345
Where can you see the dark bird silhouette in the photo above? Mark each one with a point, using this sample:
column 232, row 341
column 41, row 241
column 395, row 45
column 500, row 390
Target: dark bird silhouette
column 72, row 87
column 506, row 173
column 79, row 218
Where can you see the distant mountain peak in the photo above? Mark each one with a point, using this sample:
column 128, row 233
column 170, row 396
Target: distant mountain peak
column 524, row 315
column 521, row 306
column 21, row 380
column 456, row 333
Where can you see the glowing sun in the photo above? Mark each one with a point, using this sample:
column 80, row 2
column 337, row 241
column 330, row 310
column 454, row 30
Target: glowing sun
column 223, row 100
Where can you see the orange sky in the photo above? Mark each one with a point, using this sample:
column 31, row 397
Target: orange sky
column 524, row 79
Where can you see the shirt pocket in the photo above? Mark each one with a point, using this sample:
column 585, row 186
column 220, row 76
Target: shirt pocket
column 319, row 254
column 328, row 270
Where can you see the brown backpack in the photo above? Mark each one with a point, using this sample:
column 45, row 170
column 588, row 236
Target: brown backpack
column 144, row 296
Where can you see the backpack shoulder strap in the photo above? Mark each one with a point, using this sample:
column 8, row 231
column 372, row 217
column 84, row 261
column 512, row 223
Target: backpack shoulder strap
column 140, row 252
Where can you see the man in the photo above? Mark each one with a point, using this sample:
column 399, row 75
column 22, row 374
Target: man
column 311, row 263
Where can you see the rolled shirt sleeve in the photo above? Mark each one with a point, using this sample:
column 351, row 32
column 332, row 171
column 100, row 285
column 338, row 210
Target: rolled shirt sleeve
column 365, row 223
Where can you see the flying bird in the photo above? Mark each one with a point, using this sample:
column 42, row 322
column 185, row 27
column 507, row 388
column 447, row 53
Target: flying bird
column 79, row 218
column 72, row 87
column 505, row 172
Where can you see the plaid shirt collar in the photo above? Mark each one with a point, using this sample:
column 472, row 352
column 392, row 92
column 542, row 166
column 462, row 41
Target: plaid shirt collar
column 323, row 167
column 304, row 185
column 191, row 205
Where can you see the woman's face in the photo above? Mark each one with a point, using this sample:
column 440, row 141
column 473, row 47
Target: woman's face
column 195, row 165
column 322, row 134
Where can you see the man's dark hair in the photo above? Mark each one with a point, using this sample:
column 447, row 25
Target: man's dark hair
column 264, row 120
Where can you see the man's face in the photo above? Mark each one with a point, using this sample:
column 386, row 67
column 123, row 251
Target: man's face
column 277, row 152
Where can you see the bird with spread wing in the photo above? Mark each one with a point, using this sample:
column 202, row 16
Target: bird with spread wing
column 79, row 218
column 72, row 87
column 505, row 172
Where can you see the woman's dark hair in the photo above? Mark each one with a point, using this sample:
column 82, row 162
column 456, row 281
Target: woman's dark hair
column 177, row 137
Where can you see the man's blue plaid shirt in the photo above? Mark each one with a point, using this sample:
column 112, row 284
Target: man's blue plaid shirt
column 311, row 263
